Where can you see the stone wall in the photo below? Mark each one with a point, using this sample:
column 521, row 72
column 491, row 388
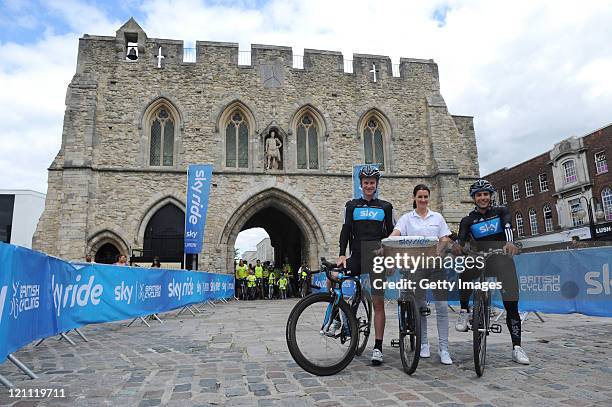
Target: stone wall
column 100, row 184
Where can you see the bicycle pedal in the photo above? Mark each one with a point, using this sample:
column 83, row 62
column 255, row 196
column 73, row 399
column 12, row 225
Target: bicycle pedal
column 495, row 328
column 426, row 311
column 395, row 343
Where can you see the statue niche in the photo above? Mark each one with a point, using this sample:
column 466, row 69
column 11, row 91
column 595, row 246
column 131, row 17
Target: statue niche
column 273, row 150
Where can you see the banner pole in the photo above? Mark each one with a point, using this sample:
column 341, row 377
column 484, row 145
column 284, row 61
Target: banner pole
column 21, row 366
column 6, row 383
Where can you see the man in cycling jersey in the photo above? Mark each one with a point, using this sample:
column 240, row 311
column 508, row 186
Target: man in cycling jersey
column 367, row 221
column 490, row 227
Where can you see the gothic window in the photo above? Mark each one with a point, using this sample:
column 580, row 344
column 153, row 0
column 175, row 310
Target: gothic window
column 533, row 221
column 548, row 218
column 606, row 199
column 307, row 143
column 520, row 227
column 237, row 141
column 373, row 143
column 162, row 139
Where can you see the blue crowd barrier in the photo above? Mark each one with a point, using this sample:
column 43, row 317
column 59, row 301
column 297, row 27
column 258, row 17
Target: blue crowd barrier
column 557, row 282
column 42, row 296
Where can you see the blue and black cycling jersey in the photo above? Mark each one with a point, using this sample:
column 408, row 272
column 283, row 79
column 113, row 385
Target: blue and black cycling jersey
column 365, row 221
column 495, row 225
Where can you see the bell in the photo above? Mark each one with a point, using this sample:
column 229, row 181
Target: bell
column 132, row 54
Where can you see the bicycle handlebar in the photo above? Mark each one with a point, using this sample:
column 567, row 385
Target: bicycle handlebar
column 329, row 268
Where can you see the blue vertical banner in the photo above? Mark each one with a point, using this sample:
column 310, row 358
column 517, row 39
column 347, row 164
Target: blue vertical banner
column 199, row 177
column 357, row 185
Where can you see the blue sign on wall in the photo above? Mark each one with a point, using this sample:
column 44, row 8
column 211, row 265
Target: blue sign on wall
column 198, row 189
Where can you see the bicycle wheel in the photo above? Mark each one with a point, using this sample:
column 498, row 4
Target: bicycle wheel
column 480, row 330
column 410, row 333
column 313, row 350
column 364, row 321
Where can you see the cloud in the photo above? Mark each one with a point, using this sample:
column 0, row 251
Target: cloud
column 248, row 239
column 531, row 73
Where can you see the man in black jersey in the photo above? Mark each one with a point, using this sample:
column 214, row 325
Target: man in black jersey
column 367, row 221
column 490, row 227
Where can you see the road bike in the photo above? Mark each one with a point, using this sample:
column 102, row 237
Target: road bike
column 481, row 315
column 326, row 330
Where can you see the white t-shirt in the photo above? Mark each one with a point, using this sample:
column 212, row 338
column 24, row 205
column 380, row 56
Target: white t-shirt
column 433, row 225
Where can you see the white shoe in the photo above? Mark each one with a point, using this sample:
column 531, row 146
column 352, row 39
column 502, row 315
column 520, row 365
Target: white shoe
column 425, row 353
column 445, row 358
column 377, row 357
column 519, row 356
column 462, row 321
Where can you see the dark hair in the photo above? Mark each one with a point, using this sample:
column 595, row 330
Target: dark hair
column 420, row 187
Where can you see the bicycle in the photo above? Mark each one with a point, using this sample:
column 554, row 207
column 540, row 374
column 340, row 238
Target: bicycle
column 270, row 291
column 481, row 315
column 325, row 331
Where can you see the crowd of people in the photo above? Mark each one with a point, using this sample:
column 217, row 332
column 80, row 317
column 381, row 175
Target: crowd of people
column 265, row 280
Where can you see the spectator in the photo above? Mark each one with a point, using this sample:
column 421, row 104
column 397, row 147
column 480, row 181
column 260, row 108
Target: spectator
column 156, row 263
column 121, row 260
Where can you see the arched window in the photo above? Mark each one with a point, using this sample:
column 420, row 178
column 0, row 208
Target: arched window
column 107, row 254
column 161, row 151
column 569, row 172
column 548, row 218
column 606, row 199
column 373, row 142
column 520, row 227
column 533, row 221
column 307, row 143
column 237, row 141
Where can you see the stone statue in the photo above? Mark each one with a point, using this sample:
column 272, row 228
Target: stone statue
column 273, row 156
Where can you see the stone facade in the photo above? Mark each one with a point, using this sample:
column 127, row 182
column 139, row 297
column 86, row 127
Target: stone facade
column 102, row 187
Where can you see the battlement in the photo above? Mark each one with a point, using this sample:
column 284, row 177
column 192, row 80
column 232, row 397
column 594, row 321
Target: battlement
column 131, row 45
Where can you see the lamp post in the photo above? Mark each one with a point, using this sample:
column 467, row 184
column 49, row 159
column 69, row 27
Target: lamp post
column 598, row 213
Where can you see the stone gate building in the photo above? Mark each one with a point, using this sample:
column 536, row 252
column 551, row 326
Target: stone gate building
column 137, row 115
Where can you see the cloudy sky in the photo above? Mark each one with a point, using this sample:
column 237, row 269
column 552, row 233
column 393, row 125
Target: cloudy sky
column 530, row 72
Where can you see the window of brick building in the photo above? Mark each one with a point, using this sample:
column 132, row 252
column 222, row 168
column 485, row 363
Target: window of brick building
column 528, row 187
column 533, row 221
column 606, row 199
column 601, row 165
column 575, row 208
column 515, row 192
column 520, row 227
column 503, row 196
column 569, row 172
column 543, row 182
column 548, row 218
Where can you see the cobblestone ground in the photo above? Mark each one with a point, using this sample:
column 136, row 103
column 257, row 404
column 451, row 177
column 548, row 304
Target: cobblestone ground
column 235, row 354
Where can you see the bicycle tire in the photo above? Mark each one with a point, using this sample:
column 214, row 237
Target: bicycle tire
column 480, row 329
column 410, row 333
column 364, row 327
column 292, row 340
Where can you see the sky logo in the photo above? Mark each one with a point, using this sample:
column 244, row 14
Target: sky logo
column 368, row 214
column 597, row 287
column 486, row 228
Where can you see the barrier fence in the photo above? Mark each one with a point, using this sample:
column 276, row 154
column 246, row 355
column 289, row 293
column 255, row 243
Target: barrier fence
column 42, row 296
column 557, row 282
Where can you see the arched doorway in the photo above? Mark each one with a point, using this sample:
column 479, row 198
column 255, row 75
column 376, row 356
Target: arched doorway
column 107, row 254
column 163, row 236
column 285, row 235
column 294, row 231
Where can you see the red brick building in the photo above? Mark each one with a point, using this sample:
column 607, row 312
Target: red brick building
column 548, row 195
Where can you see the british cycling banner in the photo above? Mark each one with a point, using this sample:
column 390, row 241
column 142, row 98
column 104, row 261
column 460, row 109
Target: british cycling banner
column 198, row 189
column 41, row 296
